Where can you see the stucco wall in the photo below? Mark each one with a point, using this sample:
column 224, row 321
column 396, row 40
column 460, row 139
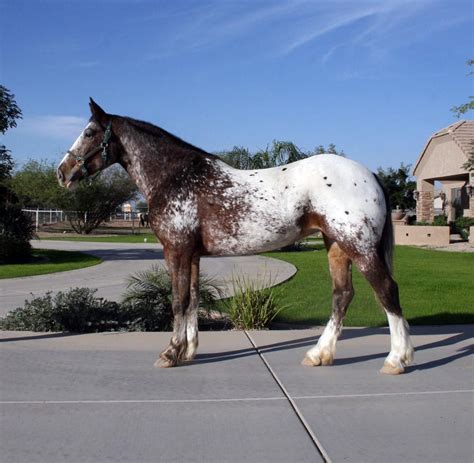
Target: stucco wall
column 442, row 158
column 421, row 235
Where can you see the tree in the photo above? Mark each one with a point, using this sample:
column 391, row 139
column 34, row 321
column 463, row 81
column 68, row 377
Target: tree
column 90, row 204
column 279, row 153
column 331, row 149
column 238, row 157
column 36, row 185
column 463, row 109
column 399, row 186
column 9, row 110
column 93, row 203
column 16, row 229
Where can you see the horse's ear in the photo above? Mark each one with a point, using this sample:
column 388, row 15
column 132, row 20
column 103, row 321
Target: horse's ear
column 98, row 113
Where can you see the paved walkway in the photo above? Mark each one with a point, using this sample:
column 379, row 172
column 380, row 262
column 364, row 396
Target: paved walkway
column 245, row 398
column 123, row 259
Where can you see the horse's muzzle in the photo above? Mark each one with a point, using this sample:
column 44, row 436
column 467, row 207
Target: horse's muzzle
column 60, row 176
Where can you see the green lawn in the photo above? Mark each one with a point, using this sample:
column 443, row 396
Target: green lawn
column 436, row 287
column 49, row 262
column 108, row 239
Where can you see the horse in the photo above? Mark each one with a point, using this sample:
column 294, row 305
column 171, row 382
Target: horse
column 200, row 206
column 144, row 220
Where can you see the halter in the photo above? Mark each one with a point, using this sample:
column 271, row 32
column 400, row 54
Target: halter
column 81, row 160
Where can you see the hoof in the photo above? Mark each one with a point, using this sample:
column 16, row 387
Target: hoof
column 389, row 369
column 164, row 361
column 324, row 358
column 307, row 361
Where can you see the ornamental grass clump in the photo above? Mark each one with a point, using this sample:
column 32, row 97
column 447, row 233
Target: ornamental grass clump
column 149, row 294
column 252, row 307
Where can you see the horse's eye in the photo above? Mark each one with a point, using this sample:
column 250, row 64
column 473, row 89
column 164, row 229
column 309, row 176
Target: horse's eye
column 89, row 133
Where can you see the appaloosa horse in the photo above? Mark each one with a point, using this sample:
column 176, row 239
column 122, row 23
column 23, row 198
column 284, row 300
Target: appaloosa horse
column 201, row 206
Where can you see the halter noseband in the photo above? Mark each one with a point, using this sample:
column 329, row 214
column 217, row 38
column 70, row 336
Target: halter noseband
column 81, row 160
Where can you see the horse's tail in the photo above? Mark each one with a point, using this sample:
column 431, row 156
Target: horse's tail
column 385, row 248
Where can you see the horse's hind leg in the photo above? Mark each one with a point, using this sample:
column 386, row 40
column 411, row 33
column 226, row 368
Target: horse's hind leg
column 386, row 289
column 342, row 294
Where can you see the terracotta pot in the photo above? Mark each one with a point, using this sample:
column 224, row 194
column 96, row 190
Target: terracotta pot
column 398, row 214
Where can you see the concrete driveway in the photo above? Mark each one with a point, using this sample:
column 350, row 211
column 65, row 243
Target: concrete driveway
column 120, row 260
column 245, row 398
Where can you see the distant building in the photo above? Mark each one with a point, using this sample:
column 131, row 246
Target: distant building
column 441, row 161
column 126, row 208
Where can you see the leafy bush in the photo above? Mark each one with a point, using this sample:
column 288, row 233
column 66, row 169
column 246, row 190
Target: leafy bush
column 148, row 298
column 461, row 226
column 440, row 220
column 76, row 310
column 16, row 231
column 252, row 307
column 146, row 307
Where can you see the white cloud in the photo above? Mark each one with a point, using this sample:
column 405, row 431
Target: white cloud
column 285, row 26
column 58, row 127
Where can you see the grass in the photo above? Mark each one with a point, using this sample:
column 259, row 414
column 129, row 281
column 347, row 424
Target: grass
column 48, row 261
column 107, row 239
column 436, row 287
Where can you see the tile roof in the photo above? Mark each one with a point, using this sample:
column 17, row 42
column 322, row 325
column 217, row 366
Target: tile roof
column 462, row 132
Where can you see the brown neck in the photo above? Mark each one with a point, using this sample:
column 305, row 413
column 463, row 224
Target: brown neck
column 153, row 160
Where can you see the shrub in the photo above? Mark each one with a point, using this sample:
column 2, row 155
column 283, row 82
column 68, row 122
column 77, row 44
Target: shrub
column 252, row 307
column 76, row 310
column 16, row 231
column 440, row 220
column 461, row 226
column 146, row 307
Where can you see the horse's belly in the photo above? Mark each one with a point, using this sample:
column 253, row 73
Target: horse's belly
column 250, row 238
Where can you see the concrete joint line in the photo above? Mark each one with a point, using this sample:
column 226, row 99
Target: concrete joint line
column 324, row 455
column 382, row 394
column 213, row 400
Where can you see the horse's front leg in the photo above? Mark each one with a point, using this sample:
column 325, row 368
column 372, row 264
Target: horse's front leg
column 179, row 266
column 191, row 315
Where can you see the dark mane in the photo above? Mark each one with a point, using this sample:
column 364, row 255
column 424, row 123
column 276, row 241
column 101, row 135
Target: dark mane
column 159, row 132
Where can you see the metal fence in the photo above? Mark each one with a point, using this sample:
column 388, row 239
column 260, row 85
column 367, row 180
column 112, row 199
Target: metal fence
column 42, row 217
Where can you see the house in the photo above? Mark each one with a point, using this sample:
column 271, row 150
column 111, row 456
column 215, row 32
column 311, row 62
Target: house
column 441, row 162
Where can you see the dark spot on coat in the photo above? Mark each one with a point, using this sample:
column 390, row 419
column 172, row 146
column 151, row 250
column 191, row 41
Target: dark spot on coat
column 284, row 168
column 286, row 188
column 347, row 212
column 355, row 184
column 325, row 178
column 329, row 184
column 261, row 181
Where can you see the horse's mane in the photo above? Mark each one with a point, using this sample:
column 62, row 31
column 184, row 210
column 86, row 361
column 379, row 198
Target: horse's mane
column 156, row 131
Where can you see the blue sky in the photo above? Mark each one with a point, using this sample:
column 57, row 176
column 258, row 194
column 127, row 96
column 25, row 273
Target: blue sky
column 376, row 78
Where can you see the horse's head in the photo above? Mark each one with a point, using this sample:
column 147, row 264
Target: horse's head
column 93, row 151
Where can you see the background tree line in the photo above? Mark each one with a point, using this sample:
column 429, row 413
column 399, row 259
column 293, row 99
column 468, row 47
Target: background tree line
column 277, row 154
